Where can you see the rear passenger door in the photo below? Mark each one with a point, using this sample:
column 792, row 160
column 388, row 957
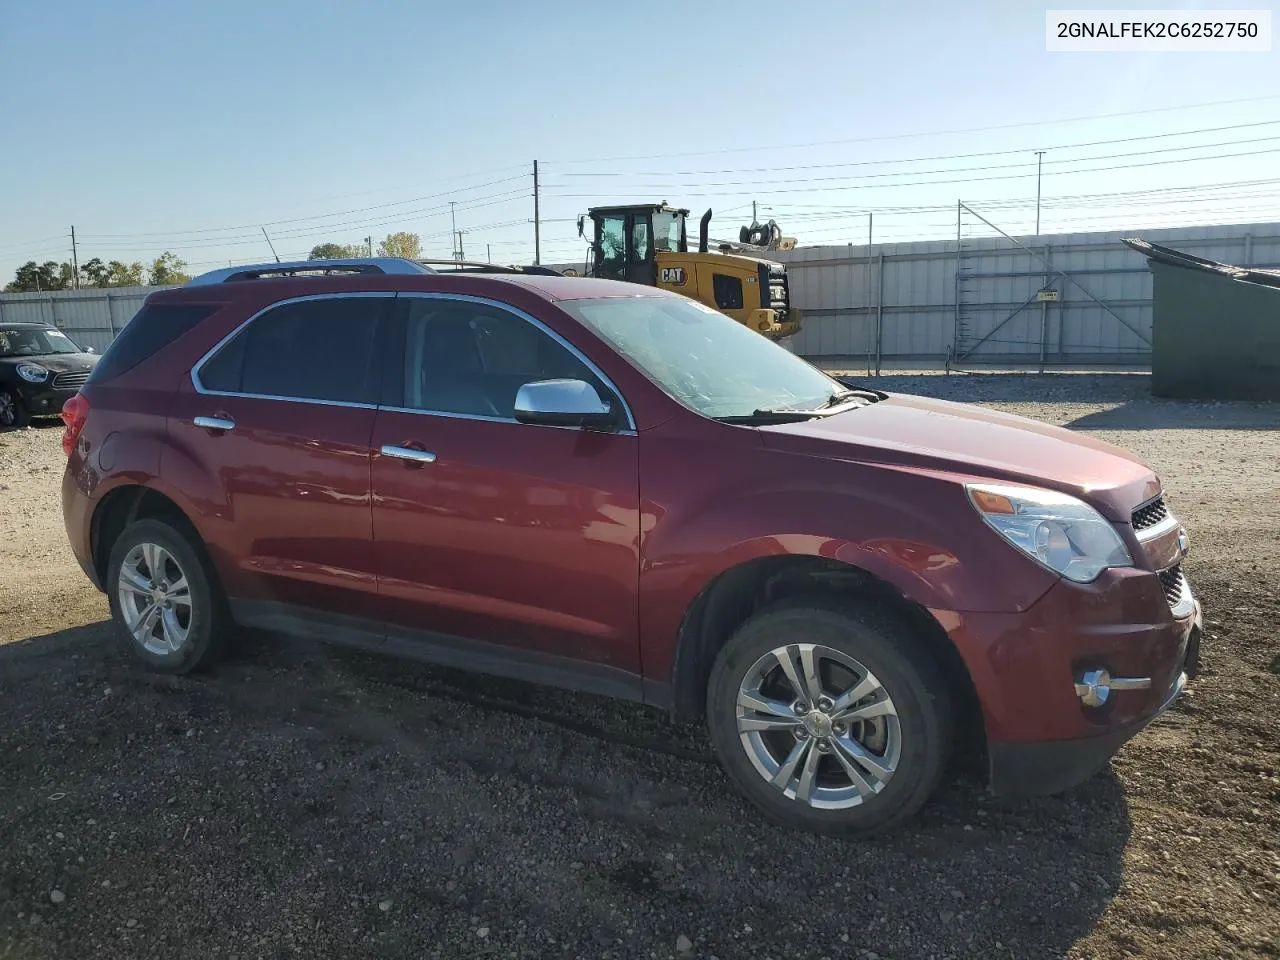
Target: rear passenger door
column 278, row 417
column 523, row 537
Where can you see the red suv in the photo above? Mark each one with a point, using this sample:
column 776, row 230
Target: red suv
column 610, row 488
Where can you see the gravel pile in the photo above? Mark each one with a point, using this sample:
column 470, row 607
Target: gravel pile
column 303, row 802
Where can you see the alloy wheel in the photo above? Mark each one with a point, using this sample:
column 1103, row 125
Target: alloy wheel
column 817, row 725
column 8, row 409
column 155, row 599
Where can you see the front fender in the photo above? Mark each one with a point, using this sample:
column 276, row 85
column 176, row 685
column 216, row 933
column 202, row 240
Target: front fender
column 915, row 530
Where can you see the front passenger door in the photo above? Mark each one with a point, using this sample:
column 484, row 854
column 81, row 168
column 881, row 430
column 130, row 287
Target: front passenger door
column 523, row 537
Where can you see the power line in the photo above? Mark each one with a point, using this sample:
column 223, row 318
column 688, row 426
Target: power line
column 935, row 133
column 752, row 184
column 327, row 228
column 318, row 216
column 953, row 156
column 922, row 183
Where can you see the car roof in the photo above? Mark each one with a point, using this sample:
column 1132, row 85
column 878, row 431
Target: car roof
column 10, row 324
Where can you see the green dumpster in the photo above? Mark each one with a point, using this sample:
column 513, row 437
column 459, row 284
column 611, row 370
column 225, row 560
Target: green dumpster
column 1215, row 327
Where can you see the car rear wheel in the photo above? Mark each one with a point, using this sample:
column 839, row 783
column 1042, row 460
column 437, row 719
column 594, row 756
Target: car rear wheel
column 830, row 717
column 13, row 413
column 164, row 598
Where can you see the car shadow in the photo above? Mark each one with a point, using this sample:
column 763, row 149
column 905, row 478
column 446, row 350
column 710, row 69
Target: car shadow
column 1156, row 414
column 37, row 423
column 1126, row 398
column 329, row 784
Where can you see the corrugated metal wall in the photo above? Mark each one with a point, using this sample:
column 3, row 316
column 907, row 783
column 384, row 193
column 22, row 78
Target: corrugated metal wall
column 909, row 292
column 92, row 317
column 910, row 303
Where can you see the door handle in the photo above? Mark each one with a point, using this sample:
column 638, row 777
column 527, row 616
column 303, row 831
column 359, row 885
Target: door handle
column 408, row 453
column 215, row 423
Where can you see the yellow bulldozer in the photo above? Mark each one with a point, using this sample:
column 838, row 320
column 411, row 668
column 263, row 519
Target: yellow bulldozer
column 648, row 243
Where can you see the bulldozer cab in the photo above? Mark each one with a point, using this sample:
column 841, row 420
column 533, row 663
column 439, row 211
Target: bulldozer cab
column 626, row 241
column 649, row 244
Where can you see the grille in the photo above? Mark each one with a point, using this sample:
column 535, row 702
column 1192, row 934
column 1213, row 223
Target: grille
column 1148, row 516
column 1173, row 583
column 64, row 381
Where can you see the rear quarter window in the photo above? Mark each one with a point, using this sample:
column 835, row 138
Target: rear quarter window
column 152, row 329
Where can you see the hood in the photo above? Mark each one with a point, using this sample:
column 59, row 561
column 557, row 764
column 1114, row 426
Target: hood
column 939, row 435
column 56, row 362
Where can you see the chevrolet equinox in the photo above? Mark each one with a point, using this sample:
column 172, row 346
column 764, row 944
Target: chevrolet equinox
column 609, row 488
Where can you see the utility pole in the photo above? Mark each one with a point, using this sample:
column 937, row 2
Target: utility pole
column 453, row 234
column 75, row 261
column 870, row 220
column 537, row 220
column 1039, row 160
column 753, row 212
column 368, row 242
column 488, row 252
column 460, row 255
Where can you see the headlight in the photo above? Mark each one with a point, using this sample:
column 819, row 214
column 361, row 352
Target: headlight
column 1063, row 533
column 32, row 373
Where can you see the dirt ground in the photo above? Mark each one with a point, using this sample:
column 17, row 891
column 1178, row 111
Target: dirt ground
column 301, row 802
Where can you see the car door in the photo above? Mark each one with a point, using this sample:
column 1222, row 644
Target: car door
column 506, row 546
column 278, row 417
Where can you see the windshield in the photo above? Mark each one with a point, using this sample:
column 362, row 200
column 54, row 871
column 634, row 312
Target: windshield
column 667, row 227
column 704, row 359
column 34, row 341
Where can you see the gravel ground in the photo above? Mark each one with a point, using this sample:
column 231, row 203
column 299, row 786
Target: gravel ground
column 298, row 801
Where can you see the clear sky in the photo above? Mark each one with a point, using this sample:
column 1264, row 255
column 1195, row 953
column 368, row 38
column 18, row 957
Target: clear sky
column 181, row 126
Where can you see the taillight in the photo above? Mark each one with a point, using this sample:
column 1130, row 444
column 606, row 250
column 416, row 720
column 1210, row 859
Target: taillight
column 74, row 413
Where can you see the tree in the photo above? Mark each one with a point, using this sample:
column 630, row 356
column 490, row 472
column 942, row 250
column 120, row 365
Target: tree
column 124, row 274
column 168, row 268
column 407, row 245
column 94, row 272
column 336, row 251
column 49, row 275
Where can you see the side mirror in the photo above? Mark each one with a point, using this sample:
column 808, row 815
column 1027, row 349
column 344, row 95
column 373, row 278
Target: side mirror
column 581, row 220
column 563, row 403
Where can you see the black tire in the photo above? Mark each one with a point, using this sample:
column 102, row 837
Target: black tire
column 907, row 673
column 14, row 414
column 208, row 625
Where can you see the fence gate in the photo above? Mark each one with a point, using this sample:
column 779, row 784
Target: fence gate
column 1015, row 305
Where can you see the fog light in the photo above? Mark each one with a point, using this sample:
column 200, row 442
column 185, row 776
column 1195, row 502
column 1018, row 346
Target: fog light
column 1095, row 686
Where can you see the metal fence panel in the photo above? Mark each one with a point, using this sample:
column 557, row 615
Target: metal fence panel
column 91, row 317
column 910, row 287
column 917, row 297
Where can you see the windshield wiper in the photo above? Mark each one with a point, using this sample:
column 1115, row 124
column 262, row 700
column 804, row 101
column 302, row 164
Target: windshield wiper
column 844, row 396
column 759, row 418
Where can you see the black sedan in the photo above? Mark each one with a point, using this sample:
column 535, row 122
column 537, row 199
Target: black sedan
column 40, row 368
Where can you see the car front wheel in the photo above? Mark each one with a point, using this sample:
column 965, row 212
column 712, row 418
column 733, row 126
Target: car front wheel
column 830, row 717
column 13, row 412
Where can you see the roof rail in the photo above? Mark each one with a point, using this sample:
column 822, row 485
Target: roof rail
column 474, row 265
column 388, row 266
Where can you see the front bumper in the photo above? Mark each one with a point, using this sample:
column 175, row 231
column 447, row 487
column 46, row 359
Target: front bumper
column 1039, row 769
column 1043, row 732
column 42, row 400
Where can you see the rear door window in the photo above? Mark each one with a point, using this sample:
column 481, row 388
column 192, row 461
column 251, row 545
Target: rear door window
column 306, row 350
column 152, row 328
